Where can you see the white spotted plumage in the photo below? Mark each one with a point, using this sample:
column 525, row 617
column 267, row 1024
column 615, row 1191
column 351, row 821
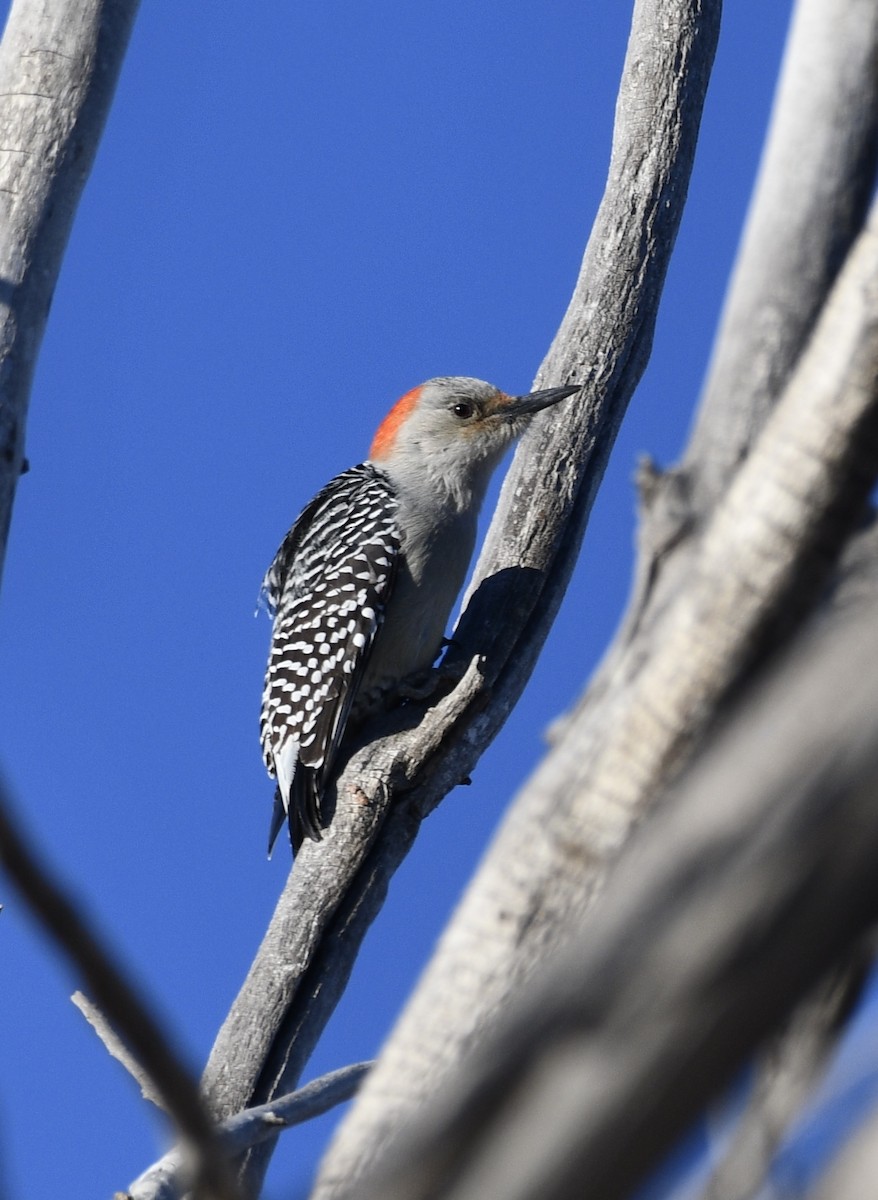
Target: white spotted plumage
column 327, row 588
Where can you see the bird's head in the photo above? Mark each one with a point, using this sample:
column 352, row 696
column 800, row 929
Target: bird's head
column 456, row 428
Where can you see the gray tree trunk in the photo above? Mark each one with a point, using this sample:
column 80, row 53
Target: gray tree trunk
column 59, row 63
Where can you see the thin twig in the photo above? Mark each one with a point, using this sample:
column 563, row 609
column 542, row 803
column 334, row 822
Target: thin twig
column 165, row 1180
column 117, row 1048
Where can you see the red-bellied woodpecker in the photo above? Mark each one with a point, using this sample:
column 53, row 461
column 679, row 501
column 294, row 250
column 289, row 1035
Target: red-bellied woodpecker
column 364, row 582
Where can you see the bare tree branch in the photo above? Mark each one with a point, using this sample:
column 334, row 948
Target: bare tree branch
column 59, row 64
column 811, row 197
column 760, row 564
column 734, row 901
column 120, row 1000
column 338, row 886
column 816, row 178
column 786, row 1070
column 167, row 1179
column 117, row 1048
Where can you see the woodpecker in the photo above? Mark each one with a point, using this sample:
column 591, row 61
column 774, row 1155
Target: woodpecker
column 363, row 584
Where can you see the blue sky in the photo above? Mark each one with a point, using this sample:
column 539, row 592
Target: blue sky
column 297, row 213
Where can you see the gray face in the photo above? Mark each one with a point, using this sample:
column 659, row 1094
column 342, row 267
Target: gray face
column 453, row 431
column 474, row 421
column 444, row 438
column 464, row 419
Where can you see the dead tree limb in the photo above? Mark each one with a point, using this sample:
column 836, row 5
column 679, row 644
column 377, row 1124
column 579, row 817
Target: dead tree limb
column 740, row 893
column 675, row 663
column 338, row 886
column 59, row 64
column 168, row 1178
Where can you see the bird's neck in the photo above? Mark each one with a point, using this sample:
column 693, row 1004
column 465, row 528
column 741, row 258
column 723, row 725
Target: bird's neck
column 449, row 494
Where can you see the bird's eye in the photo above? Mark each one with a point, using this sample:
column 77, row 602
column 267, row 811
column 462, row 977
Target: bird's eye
column 463, row 409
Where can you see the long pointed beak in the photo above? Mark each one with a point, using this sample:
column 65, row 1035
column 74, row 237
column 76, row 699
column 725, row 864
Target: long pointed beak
column 521, row 406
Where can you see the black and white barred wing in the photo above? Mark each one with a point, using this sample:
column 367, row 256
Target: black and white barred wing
column 328, row 587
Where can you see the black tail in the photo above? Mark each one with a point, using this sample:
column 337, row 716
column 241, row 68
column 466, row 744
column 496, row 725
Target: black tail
column 303, row 813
